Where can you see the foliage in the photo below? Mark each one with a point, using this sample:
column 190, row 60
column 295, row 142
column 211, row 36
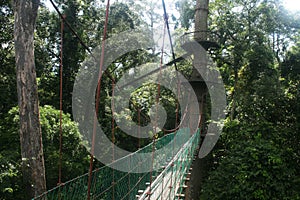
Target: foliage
column 254, row 168
column 187, row 11
column 8, row 91
column 74, row 161
column 258, row 154
column 290, row 75
column 144, row 98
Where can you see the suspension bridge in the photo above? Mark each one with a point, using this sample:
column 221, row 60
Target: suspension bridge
column 170, row 171
column 169, row 182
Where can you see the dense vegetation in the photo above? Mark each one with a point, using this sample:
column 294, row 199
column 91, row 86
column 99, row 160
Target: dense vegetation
column 258, row 154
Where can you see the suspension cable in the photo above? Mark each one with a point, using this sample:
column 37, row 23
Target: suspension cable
column 173, row 57
column 70, row 27
column 169, row 32
column 98, row 99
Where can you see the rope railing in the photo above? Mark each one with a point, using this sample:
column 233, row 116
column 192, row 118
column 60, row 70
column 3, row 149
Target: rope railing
column 176, row 169
column 102, row 186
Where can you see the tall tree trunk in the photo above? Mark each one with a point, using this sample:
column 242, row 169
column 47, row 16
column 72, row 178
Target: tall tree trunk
column 200, row 166
column 200, row 58
column 30, row 130
column 201, row 18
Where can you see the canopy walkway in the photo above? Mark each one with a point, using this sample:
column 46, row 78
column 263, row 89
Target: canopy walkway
column 167, row 177
column 168, row 182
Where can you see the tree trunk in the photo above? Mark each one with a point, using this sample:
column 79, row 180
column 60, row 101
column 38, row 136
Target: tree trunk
column 30, row 130
column 201, row 17
column 200, row 166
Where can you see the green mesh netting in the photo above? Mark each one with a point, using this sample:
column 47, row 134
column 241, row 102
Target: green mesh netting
column 168, row 181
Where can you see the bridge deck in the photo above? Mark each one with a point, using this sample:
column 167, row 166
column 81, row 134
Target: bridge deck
column 168, row 185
